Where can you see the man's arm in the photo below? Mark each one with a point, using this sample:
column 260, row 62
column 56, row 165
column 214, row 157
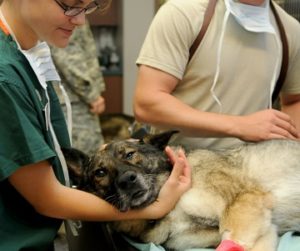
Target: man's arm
column 290, row 104
column 154, row 104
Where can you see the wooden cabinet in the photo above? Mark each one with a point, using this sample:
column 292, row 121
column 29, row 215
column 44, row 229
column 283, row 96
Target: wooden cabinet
column 113, row 94
column 106, row 27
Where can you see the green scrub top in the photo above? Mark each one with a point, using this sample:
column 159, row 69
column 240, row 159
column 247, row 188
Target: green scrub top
column 24, row 139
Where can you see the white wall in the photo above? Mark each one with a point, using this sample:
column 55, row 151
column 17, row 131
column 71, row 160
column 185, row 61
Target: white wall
column 136, row 18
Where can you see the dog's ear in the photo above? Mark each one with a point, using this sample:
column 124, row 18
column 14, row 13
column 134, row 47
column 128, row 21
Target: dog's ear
column 76, row 162
column 160, row 140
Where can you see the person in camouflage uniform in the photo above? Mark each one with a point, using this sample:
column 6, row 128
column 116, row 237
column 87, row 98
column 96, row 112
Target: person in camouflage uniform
column 81, row 76
column 291, row 6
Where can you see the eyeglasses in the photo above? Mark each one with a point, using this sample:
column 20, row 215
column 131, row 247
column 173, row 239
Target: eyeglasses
column 74, row 11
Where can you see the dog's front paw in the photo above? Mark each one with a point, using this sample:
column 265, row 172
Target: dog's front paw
column 229, row 245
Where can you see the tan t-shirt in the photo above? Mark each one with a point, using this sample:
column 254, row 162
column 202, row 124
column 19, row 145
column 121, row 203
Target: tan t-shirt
column 247, row 61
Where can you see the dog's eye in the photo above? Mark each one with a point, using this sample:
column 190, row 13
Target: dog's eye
column 129, row 155
column 100, row 173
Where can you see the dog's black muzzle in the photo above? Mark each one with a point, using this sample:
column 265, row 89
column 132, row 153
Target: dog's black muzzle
column 132, row 188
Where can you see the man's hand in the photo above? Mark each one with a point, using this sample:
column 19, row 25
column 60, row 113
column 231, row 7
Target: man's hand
column 265, row 125
column 98, row 106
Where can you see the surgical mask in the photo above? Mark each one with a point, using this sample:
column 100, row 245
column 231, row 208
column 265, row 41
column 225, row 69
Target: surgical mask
column 252, row 19
column 39, row 57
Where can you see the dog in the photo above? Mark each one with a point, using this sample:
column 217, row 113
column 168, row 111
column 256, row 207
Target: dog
column 249, row 194
column 115, row 126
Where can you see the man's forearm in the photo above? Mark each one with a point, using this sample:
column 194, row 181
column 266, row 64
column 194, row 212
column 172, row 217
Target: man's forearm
column 293, row 110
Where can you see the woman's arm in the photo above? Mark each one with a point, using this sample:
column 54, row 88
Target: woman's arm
column 39, row 186
column 290, row 104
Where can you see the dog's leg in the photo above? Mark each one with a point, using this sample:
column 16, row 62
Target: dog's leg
column 247, row 219
column 158, row 233
column 267, row 242
column 193, row 238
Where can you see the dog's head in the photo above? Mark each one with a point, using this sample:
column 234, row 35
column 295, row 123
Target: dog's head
column 126, row 173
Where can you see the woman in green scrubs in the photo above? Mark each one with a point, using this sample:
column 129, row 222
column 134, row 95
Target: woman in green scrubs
column 33, row 195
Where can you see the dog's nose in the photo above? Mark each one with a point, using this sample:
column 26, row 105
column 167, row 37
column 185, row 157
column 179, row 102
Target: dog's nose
column 127, row 180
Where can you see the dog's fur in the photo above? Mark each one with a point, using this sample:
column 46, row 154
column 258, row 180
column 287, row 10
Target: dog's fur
column 248, row 194
column 115, row 126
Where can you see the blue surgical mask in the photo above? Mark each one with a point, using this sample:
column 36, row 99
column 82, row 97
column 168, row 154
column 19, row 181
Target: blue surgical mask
column 250, row 17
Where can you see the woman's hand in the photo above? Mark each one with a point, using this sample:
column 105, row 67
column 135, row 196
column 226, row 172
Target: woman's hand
column 176, row 185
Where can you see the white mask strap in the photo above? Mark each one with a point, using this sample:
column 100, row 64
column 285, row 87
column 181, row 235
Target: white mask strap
column 69, row 110
column 74, row 225
column 220, row 47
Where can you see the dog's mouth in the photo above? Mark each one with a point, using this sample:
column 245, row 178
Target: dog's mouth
column 141, row 198
column 137, row 195
column 137, row 199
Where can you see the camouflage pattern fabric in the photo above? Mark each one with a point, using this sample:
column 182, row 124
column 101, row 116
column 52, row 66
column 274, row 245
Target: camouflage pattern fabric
column 86, row 133
column 290, row 6
column 79, row 69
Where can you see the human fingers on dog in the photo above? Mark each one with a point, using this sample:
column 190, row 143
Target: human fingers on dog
column 285, row 126
column 281, row 133
column 186, row 176
column 176, row 185
column 171, row 154
column 181, row 172
column 265, row 125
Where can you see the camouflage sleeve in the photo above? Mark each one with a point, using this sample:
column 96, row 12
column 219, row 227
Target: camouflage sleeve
column 78, row 65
